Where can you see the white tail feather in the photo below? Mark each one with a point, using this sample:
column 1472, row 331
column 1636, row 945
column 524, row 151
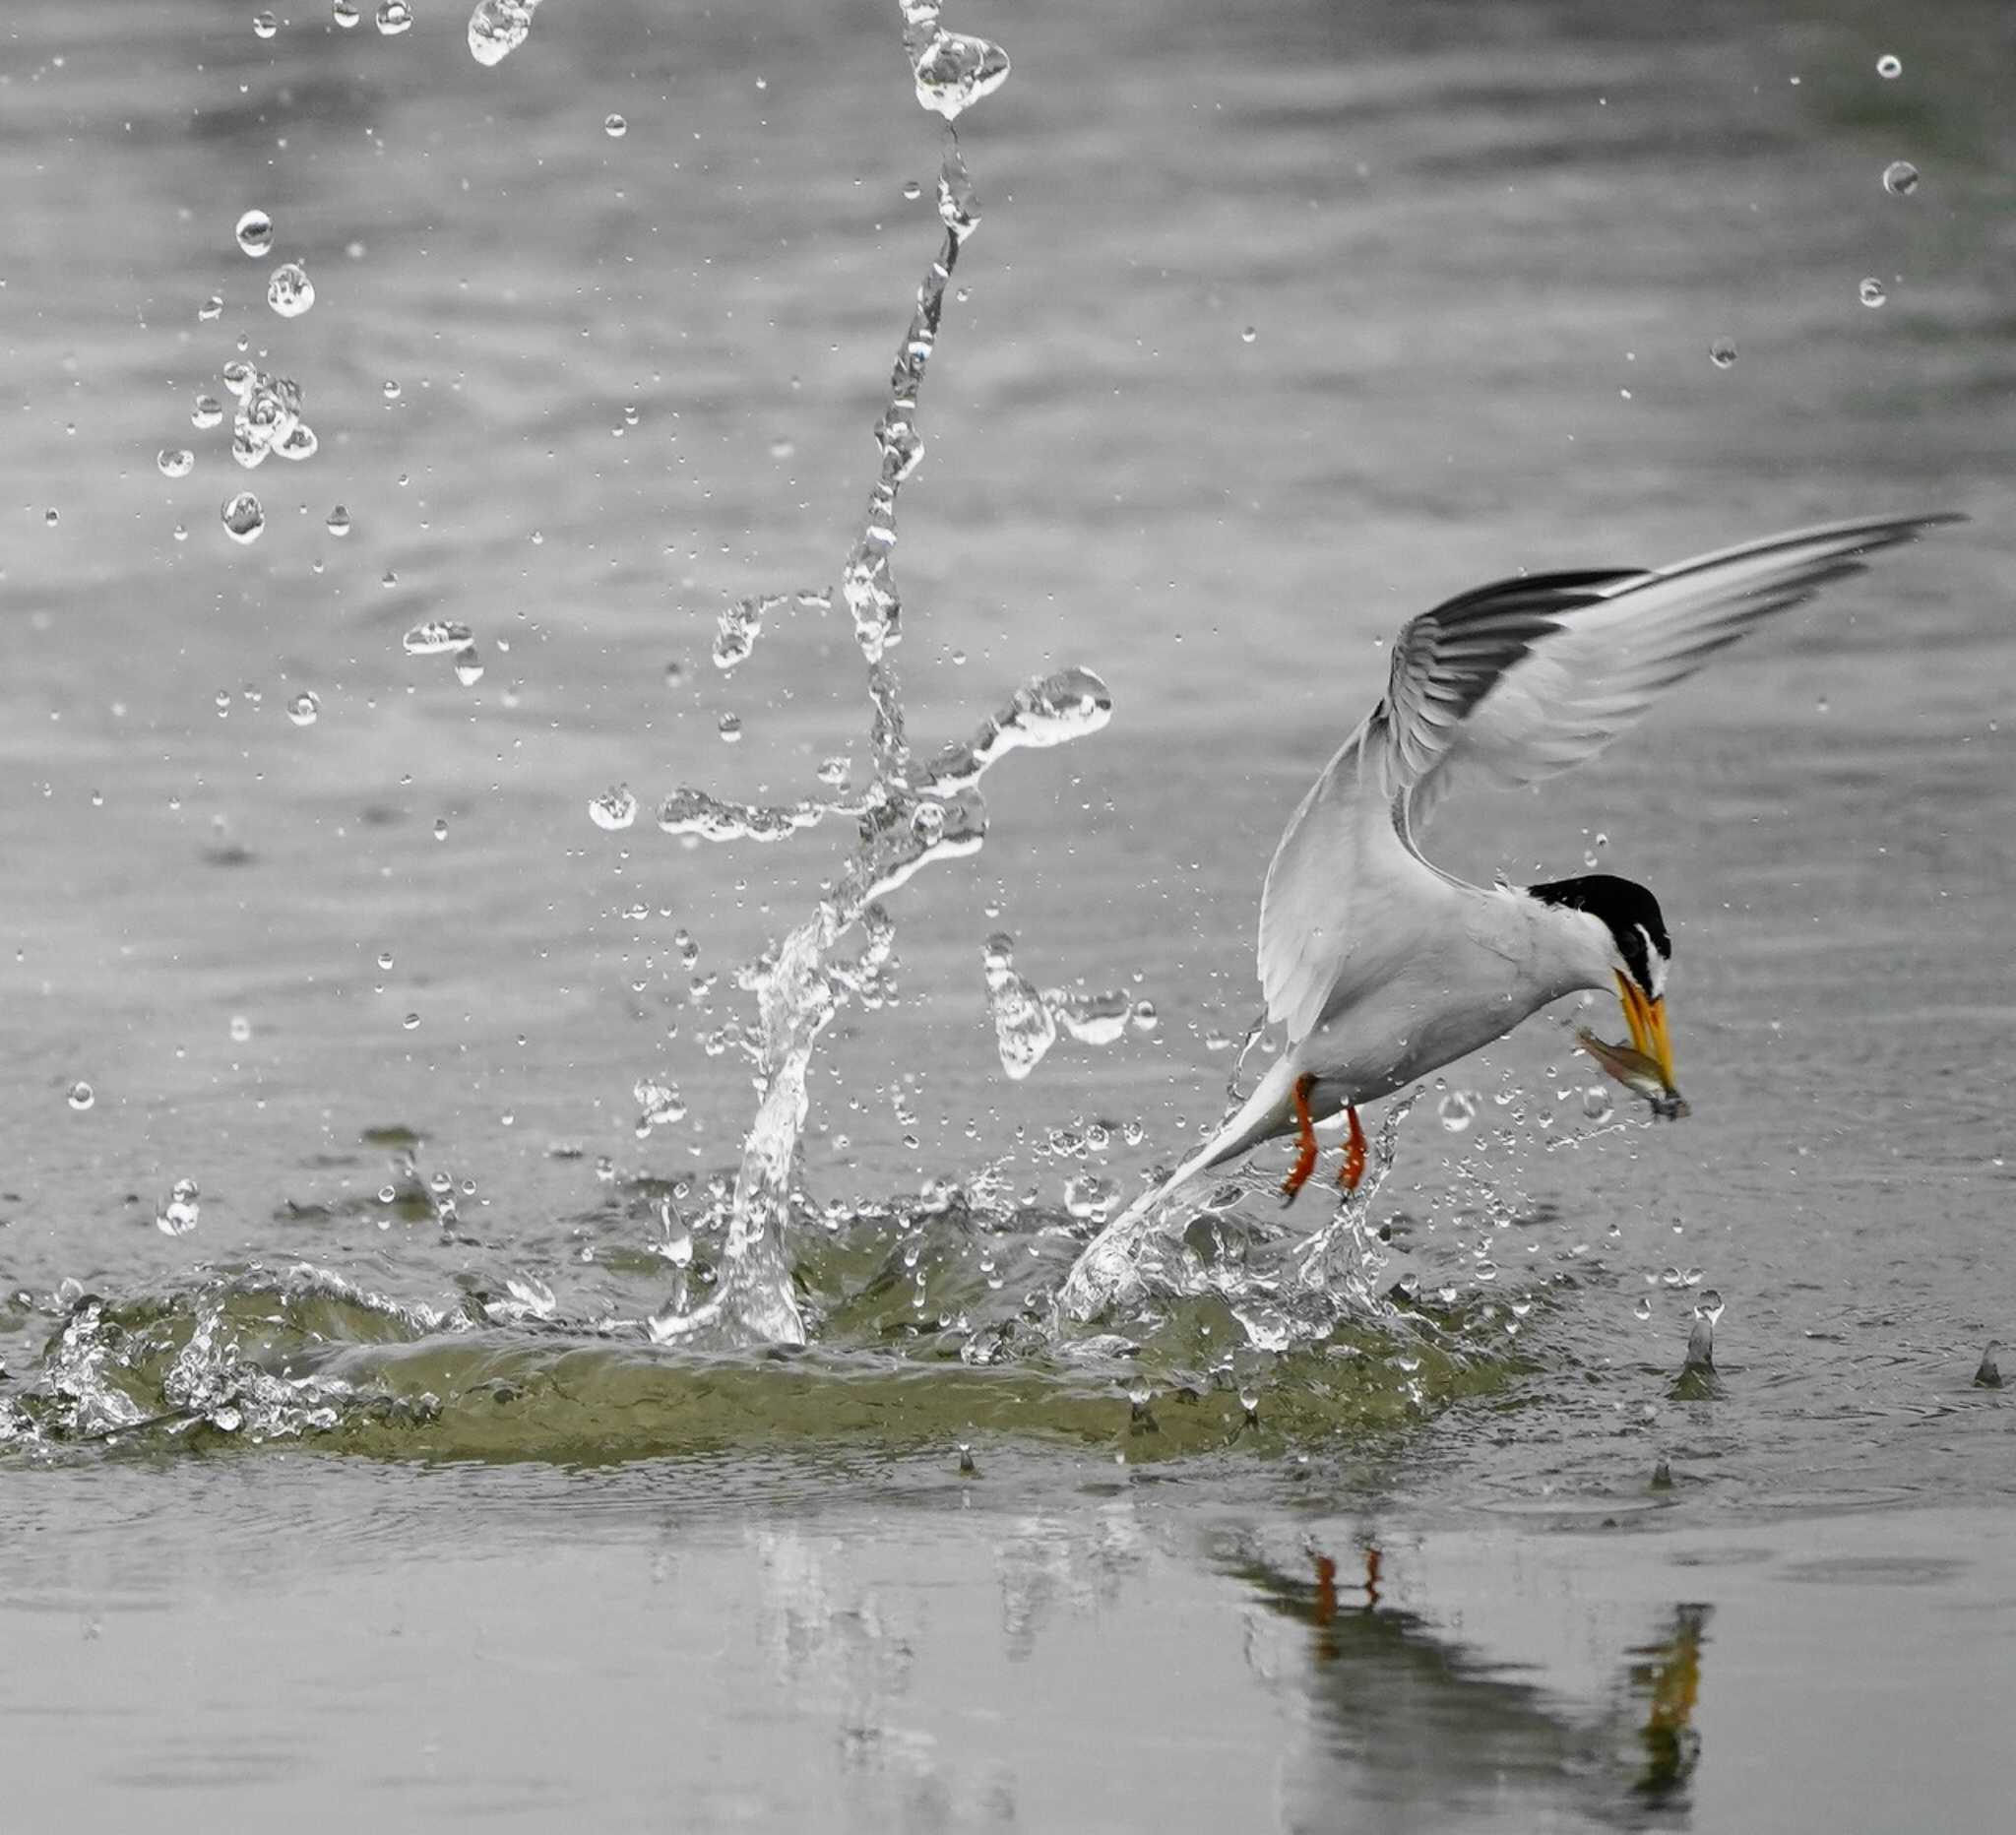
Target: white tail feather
column 1101, row 1269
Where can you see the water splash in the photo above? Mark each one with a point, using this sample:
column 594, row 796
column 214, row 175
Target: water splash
column 268, row 418
column 951, row 70
column 906, row 817
column 180, row 1211
column 497, row 28
column 742, row 623
column 298, row 1355
column 1024, row 1028
column 1027, row 1022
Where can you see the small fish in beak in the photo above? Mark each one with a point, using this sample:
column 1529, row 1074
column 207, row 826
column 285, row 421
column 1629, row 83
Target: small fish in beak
column 1637, row 1071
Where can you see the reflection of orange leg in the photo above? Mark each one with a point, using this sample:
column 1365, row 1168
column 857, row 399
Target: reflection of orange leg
column 1305, row 1139
column 1326, row 1588
column 1354, row 1155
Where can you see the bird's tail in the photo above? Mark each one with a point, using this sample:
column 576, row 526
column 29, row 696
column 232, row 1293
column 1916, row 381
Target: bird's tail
column 1262, row 1115
column 1101, row 1269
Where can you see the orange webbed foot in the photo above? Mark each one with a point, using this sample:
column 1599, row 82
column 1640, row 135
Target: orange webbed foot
column 1305, row 1140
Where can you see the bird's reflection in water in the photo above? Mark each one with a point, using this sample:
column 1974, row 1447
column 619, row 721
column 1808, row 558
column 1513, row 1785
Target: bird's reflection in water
column 1419, row 1730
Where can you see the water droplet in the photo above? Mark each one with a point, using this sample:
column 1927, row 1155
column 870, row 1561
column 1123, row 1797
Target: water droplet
column 613, row 809
column 1145, row 1018
column 394, row 16
column 264, row 25
column 288, row 289
column 339, row 523
column 240, row 1029
column 410, row 1021
column 1889, row 66
column 268, row 418
column 1024, row 1028
column 177, row 1216
column 304, row 708
column 1872, row 292
column 1900, row 178
column 615, row 126
column 391, row 389
column 255, row 234
column 211, row 308
column 441, row 829
column 242, row 517
column 1722, row 353
column 81, row 1096
column 1709, row 1306
column 207, row 412
column 1597, row 1103
column 437, row 637
column 497, row 28
column 1641, row 1308
column 1249, row 333
column 1458, row 1111
column 175, row 461
column 344, row 12
column 730, row 726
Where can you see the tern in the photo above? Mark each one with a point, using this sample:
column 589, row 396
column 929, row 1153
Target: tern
column 1378, row 967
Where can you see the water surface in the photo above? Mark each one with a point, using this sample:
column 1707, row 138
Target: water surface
column 1482, row 259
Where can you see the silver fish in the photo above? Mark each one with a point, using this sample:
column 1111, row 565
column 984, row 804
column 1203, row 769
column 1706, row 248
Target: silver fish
column 1636, row 1072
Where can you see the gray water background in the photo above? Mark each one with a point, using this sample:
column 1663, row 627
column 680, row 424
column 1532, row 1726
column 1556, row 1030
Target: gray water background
column 1483, row 255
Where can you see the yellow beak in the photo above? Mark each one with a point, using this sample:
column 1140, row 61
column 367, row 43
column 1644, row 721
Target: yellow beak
column 1647, row 1021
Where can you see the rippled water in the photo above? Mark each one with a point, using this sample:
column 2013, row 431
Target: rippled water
column 1277, row 330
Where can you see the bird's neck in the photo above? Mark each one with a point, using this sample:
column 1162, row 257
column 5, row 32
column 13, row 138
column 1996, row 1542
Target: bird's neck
column 1568, row 950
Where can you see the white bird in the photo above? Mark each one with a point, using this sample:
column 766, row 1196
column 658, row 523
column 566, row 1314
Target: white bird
column 1380, row 966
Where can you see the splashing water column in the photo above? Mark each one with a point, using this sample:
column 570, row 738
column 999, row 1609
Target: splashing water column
column 906, row 820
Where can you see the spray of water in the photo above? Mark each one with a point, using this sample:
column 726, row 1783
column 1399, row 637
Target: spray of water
column 909, row 814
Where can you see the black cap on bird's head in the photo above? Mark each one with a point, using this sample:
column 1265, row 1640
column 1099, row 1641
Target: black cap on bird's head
column 1631, row 916
column 1629, row 912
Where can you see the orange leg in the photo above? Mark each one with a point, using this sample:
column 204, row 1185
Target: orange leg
column 1305, row 1140
column 1354, row 1155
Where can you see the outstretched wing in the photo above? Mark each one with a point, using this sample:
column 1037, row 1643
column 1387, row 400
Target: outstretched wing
column 1616, row 644
column 1508, row 684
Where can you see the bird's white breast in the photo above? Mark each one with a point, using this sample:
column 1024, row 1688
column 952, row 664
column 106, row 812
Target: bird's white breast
column 1478, row 969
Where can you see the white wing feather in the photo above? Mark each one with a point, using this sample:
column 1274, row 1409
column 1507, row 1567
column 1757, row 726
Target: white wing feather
column 1506, row 685
column 1343, row 893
